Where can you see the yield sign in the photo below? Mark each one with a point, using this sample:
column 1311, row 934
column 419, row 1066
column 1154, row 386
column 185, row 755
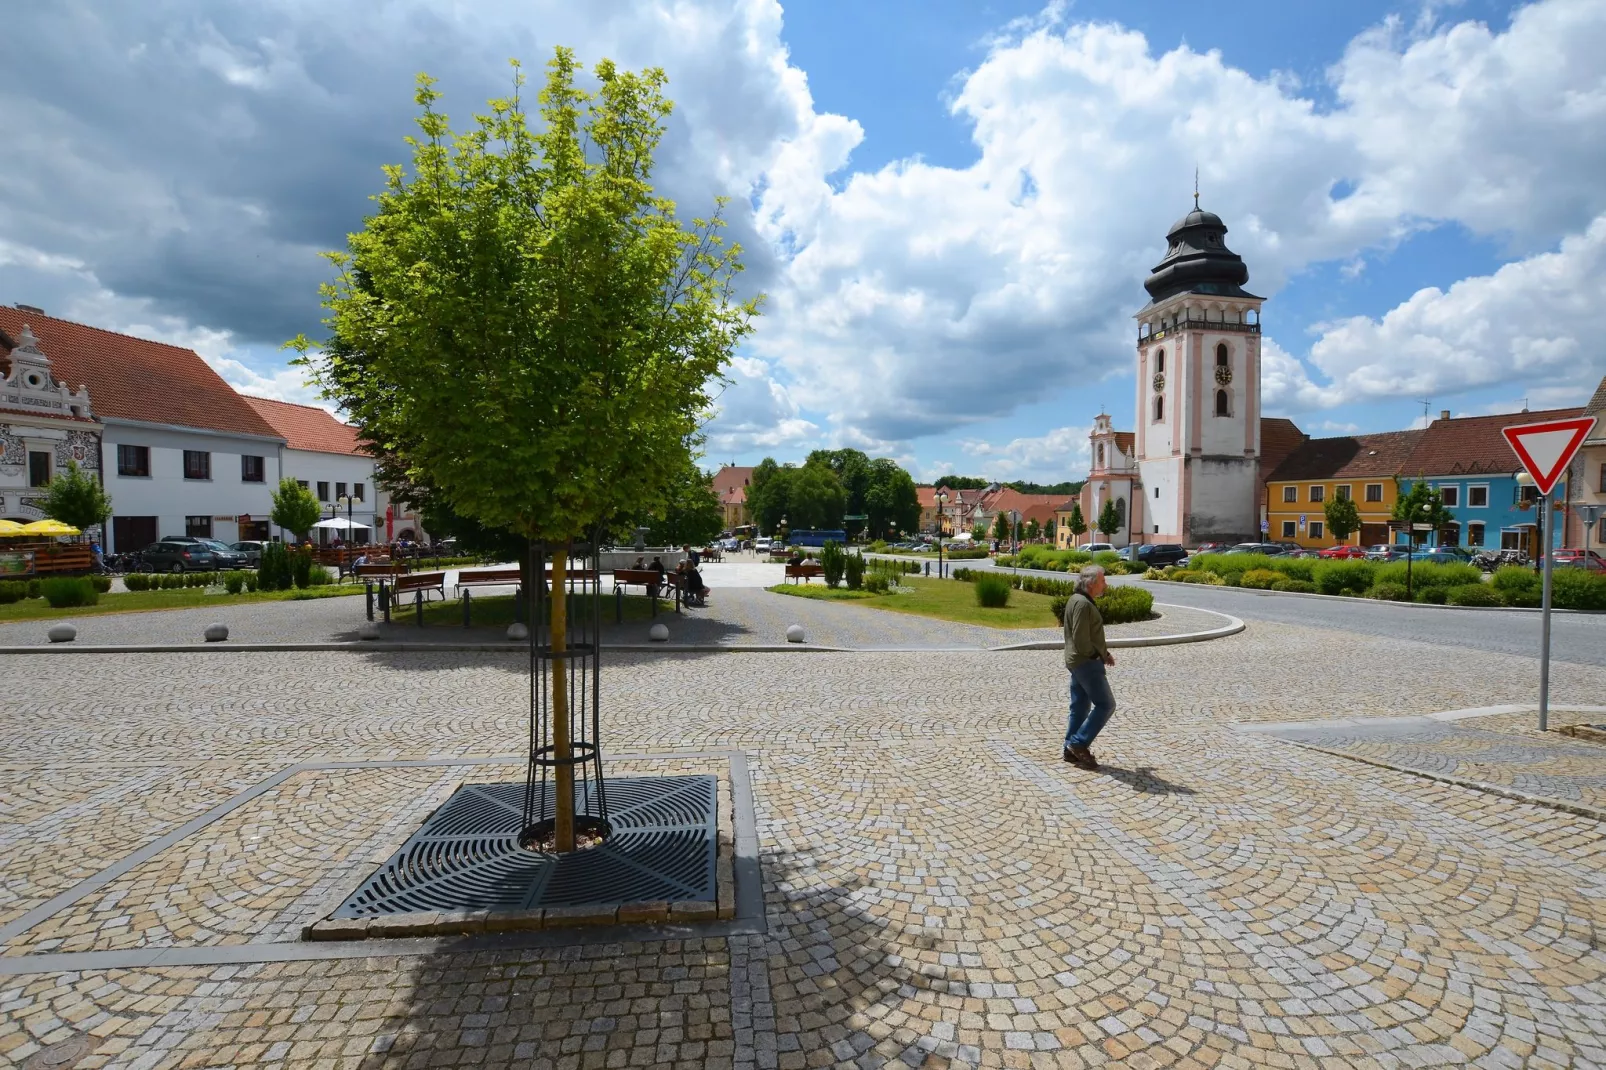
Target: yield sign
column 1546, row 449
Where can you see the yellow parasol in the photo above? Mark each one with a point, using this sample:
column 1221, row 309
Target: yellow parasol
column 9, row 527
column 48, row 527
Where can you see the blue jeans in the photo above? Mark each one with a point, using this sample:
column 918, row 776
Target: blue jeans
column 1091, row 704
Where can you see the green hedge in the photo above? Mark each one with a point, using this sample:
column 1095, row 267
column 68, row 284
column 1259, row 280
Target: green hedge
column 1288, row 583
column 1473, row 594
column 64, row 593
column 1260, row 579
column 1118, row 605
column 992, row 591
column 1573, row 588
column 12, row 591
column 1427, row 574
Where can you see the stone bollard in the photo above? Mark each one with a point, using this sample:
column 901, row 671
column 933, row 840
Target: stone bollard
column 794, row 634
column 367, row 630
column 62, row 633
column 518, row 633
column 215, row 633
column 658, row 633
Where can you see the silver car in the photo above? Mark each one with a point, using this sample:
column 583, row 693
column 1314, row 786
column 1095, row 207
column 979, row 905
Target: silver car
column 252, row 552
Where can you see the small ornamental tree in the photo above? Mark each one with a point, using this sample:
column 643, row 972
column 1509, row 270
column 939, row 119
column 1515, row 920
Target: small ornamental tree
column 1032, row 530
column 1109, row 519
column 1343, row 518
column 75, row 497
column 295, row 508
column 525, row 326
column 1076, row 524
column 1422, row 504
column 1048, row 529
column 1001, row 527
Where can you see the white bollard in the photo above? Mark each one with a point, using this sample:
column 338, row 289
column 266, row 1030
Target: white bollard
column 517, row 633
column 62, row 633
column 794, row 634
column 658, row 633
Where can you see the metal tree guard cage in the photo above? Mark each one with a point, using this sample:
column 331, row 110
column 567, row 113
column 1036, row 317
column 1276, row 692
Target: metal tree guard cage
column 571, row 676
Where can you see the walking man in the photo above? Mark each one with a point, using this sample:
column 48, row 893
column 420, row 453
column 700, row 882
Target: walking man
column 1086, row 656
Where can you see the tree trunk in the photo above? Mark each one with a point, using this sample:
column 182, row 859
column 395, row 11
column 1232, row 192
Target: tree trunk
column 563, row 812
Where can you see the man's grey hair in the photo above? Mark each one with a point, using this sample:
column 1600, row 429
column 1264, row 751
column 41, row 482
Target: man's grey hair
column 1089, row 575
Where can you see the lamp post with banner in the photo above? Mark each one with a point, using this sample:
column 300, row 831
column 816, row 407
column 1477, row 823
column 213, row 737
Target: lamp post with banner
column 942, row 501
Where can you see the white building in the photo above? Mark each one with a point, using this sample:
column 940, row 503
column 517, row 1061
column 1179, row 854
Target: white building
column 181, row 452
column 322, row 454
column 43, row 425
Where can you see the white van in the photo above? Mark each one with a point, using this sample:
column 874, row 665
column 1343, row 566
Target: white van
column 762, row 544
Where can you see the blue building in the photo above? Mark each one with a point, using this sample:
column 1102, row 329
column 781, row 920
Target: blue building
column 1472, row 465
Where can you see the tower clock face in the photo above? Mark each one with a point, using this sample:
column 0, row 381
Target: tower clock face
column 1223, row 374
column 1159, row 382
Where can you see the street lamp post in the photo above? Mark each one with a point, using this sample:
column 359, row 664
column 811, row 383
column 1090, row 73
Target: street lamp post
column 942, row 501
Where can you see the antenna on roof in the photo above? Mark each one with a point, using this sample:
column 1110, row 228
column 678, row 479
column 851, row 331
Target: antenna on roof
column 1427, row 406
column 1196, row 185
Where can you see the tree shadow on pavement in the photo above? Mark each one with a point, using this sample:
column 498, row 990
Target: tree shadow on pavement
column 1144, row 780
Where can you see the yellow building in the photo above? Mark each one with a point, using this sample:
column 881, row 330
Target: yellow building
column 1363, row 468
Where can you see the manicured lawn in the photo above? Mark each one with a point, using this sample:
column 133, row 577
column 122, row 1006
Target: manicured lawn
column 146, row 601
column 943, row 599
column 496, row 611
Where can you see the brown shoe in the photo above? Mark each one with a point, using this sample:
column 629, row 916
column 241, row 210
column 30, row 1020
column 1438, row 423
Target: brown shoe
column 1081, row 757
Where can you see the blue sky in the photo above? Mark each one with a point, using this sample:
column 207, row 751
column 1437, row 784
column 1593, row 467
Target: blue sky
column 950, row 206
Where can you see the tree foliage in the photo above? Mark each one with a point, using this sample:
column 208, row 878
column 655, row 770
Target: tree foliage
column 1422, row 504
column 1109, row 519
column 690, row 514
column 891, row 500
column 1343, row 517
column 809, row 497
column 852, row 471
column 1076, row 524
column 1001, row 527
column 295, row 508
column 75, row 497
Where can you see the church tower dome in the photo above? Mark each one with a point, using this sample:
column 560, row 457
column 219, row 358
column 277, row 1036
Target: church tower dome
column 1198, row 261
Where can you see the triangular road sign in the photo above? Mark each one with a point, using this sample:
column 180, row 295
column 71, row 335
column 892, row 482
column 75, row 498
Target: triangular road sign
column 1546, row 449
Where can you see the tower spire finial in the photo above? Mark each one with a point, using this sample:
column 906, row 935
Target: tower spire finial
column 1196, row 185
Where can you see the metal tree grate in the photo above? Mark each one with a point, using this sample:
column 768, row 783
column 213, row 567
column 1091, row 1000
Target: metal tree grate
column 467, row 855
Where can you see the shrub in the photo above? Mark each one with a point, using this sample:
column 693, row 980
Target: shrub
column 1388, row 592
column 1159, row 573
column 1288, row 583
column 877, row 583
column 273, row 570
column 234, row 582
column 832, row 560
column 63, row 593
column 1106, row 558
column 1344, row 577
column 854, row 573
column 1295, row 568
column 252, row 581
column 34, row 589
column 1521, row 598
column 1122, row 605
column 1428, row 574
column 1472, row 594
column 965, row 555
column 173, row 581
column 1057, row 605
column 1573, row 588
column 102, row 584
column 992, row 592
column 319, row 576
column 1260, row 579
column 301, row 568
column 1234, row 578
column 1190, row 576
column 199, row 579
column 12, row 591
column 137, row 581
column 1432, row 595
column 878, row 546
column 1514, row 578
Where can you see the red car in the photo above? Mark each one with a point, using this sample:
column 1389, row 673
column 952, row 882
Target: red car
column 1584, row 559
column 1342, row 552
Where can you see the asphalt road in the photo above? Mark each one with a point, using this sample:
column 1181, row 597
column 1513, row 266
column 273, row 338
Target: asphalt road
column 1575, row 637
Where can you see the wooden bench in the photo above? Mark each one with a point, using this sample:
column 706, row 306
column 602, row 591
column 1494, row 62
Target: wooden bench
column 488, row 577
column 414, row 582
column 647, row 578
column 804, row 571
column 379, row 569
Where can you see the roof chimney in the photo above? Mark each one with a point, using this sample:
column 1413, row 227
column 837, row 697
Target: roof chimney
column 1444, row 414
column 30, row 308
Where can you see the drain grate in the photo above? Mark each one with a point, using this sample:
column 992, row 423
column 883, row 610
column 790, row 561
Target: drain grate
column 467, row 856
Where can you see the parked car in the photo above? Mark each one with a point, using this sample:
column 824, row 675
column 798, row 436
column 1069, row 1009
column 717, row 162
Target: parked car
column 1439, row 555
column 1385, row 551
column 1342, row 553
column 1096, row 547
column 1212, row 548
column 178, row 554
column 762, row 544
column 251, row 550
column 225, row 556
column 1584, row 559
column 1157, row 554
column 1270, row 549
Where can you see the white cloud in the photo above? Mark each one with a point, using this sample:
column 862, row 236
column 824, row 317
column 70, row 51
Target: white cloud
column 1061, row 453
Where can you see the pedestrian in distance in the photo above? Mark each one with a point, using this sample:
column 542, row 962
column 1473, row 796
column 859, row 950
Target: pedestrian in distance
column 1087, row 656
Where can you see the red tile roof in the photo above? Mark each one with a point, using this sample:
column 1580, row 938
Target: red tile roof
column 1126, row 442
column 1278, row 438
column 729, row 478
column 1359, row 456
column 305, row 427
column 1463, row 444
column 133, row 378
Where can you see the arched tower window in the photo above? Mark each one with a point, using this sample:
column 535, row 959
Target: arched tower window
column 1159, row 409
column 1223, row 404
column 1101, row 455
column 1159, row 361
column 1221, row 355
column 1120, row 511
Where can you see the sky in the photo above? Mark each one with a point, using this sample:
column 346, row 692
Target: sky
column 950, row 206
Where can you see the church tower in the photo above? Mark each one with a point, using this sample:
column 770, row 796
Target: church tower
column 1198, row 428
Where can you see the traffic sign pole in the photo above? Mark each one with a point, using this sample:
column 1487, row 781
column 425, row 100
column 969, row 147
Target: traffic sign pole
column 1549, row 521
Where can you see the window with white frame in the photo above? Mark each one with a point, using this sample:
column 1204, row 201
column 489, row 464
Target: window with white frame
column 1374, row 492
column 1474, row 534
column 1477, row 496
column 1318, row 493
column 1343, row 492
column 1290, row 529
column 1451, row 495
column 1290, row 494
column 1316, row 529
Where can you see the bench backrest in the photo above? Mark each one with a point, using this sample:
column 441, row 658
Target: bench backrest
column 419, row 581
column 635, row 575
column 808, row 568
column 381, row 569
column 488, row 575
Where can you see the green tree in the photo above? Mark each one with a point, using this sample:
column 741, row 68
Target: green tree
column 690, row 514
column 1001, row 528
column 852, row 471
column 891, row 500
column 75, row 497
column 528, row 329
column 808, row 497
column 978, row 533
column 1343, row 518
column 295, row 508
column 1422, row 504
column 1032, row 529
column 1109, row 519
column 1076, row 524
column 953, row 482
column 1048, row 529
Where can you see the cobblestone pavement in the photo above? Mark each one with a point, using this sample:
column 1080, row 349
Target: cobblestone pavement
column 939, row 888
column 736, row 616
column 1505, row 750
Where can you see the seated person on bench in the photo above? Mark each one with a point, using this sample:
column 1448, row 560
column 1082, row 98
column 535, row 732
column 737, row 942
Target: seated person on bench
column 691, row 583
